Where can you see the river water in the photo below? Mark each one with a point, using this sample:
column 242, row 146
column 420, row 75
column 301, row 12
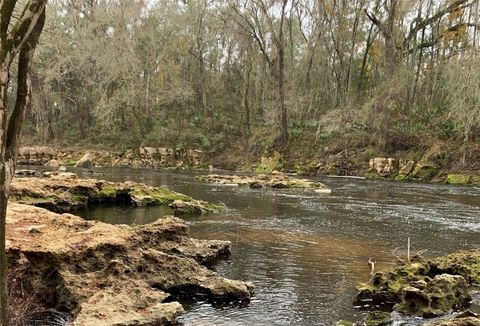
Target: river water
column 305, row 252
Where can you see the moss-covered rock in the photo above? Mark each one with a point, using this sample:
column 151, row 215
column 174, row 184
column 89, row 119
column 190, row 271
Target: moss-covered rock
column 275, row 180
column 441, row 294
column 270, row 164
column 424, row 171
column 378, row 318
column 153, row 196
column 344, row 323
column 475, row 180
column 64, row 193
column 464, row 263
column 106, row 194
column 193, row 207
column 458, row 179
column 401, row 177
column 425, row 287
column 372, row 175
column 465, row 318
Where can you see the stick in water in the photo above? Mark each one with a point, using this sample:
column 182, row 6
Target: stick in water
column 372, row 266
column 408, row 249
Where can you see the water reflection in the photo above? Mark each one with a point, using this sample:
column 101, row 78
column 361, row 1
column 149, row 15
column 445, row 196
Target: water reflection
column 304, row 251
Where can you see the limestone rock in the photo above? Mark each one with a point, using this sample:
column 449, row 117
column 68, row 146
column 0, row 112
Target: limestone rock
column 53, row 164
column 424, row 171
column 36, row 155
column 87, row 161
column 65, row 192
column 276, row 180
column 116, row 275
column 406, row 168
column 458, row 179
column 383, row 166
column 425, row 287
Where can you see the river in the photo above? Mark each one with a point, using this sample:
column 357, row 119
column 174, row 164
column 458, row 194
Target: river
column 305, row 252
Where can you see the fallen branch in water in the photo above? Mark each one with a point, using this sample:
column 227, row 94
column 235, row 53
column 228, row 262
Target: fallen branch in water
column 399, row 260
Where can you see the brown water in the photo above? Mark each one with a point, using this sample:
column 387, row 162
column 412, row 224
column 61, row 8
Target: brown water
column 305, row 251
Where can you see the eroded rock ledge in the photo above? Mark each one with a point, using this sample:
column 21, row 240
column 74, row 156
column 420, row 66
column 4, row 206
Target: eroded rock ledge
column 65, row 192
column 104, row 274
column 274, row 180
column 426, row 288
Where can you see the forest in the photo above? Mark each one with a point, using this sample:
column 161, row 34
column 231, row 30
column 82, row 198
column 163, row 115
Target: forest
column 299, row 77
column 135, row 132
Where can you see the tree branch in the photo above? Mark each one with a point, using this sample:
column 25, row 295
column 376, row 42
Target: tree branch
column 430, row 20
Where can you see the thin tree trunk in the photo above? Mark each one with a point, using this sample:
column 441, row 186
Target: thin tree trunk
column 34, row 16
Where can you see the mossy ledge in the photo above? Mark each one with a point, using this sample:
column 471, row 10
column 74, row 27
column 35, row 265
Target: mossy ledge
column 65, row 192
column 275, row 180
column 425, row 287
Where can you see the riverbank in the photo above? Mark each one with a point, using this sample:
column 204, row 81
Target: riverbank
column 432, row 165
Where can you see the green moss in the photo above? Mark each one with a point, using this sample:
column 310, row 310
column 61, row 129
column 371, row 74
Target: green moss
column 156, row 196
column 458, row 179
column 107, row 193
column 424, row 171
column 466, row 264
column 475, row 180
column 344, row 323
column 372, row 175
column 401, row 177
column 378, row 318
column 270, row 164
column 70, row 162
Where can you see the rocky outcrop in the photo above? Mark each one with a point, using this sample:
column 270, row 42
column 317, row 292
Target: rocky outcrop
column 87, row 161
column 425, row 288
column 275, row 180
column 463, row 179
column 64, row 192
column 143, row 157
column 104, row 274
column 383, row 166
column 401, row 170
column 35, row 155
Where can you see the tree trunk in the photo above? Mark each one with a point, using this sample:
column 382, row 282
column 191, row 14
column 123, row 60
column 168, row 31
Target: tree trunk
column 3, row 203
column 246, row 92
column 23, row 41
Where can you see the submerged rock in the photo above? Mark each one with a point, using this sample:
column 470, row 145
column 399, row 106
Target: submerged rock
column 276, row 180
column 466, row 318
column 104, row 274
column 425, row 288
column 65, row 192
column 378, row 318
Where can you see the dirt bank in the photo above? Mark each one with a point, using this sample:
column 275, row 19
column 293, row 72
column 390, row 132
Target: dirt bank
column 116, row 275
